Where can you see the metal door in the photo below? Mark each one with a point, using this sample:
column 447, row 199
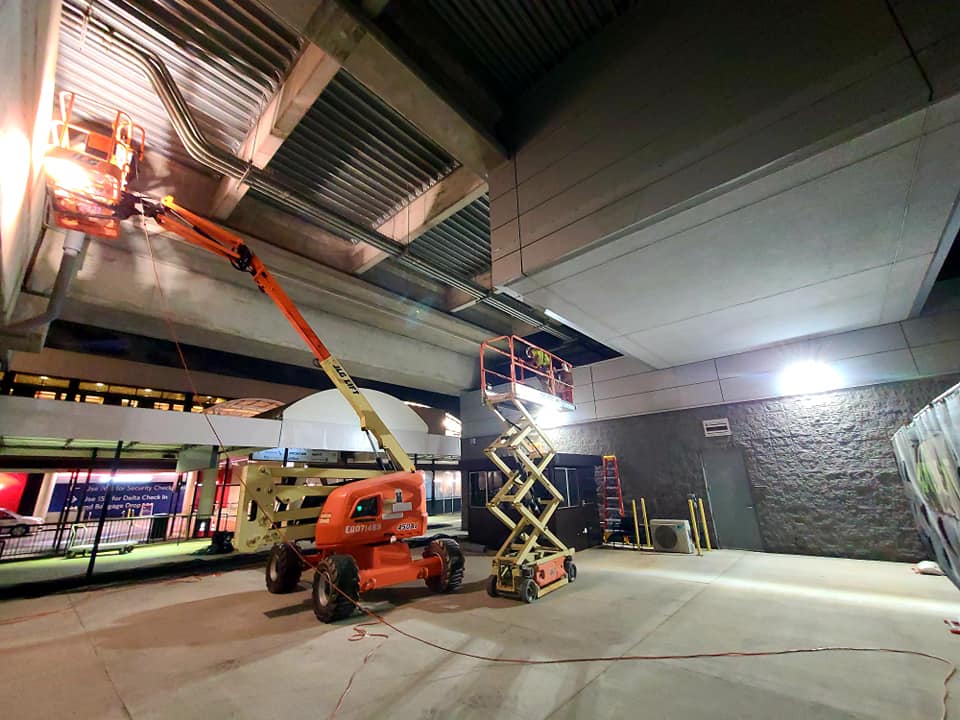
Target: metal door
column 731, row 502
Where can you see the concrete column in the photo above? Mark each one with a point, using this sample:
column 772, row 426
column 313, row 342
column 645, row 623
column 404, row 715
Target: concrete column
column 208, row 492
column 28, row 54
column 186, row 494
column 46, row 491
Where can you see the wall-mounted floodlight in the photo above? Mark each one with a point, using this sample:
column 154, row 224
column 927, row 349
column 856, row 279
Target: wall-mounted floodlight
column 808, row 376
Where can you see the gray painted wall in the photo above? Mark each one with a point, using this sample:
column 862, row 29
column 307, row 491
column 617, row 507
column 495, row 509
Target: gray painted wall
column 821, row 467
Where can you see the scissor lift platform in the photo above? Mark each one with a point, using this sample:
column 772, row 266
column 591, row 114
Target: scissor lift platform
column 506, row 392
column 517, row 377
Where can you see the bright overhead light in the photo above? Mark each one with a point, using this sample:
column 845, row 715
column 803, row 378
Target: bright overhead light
column 67, row 175
column 548, row 416
column 808, row 376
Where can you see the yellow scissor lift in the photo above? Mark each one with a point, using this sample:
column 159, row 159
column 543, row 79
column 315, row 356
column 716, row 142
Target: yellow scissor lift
column 516, row 378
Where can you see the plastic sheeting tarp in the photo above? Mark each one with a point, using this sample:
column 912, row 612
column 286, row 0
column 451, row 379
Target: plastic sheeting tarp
column 928, row 451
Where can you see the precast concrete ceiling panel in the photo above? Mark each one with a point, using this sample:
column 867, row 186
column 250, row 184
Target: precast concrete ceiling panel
column 845, row 248
column 833, row 227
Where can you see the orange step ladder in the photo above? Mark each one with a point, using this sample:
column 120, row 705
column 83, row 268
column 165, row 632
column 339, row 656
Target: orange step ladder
column 610, row 497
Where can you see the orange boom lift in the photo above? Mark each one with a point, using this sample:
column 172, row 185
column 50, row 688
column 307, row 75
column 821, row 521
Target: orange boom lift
column 361, row 526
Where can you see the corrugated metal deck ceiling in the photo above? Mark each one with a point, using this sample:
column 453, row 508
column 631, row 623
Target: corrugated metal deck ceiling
column 513, row 43
column 228, row 58
column 362, row 158
column 461, row 243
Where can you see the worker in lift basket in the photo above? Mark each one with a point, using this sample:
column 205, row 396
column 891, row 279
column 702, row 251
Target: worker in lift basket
column 565, row 381
column 541, row 361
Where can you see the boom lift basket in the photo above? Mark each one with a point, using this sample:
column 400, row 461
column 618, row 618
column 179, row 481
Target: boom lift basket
column 87, row 169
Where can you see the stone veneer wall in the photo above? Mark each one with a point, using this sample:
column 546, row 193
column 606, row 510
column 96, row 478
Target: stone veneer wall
column 821, row 467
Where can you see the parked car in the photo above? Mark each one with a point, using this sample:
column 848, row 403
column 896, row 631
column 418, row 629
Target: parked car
column 18, row 525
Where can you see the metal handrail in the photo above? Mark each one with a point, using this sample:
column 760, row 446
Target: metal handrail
column 521, row 369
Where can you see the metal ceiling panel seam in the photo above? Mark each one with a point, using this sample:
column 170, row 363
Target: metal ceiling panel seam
column 515, row 42
column 360, row 156
column 229, row 57
column 461, row 243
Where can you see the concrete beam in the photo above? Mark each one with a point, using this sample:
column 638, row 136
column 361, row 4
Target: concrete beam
column 116, row 371
column 28, row 56
column 378, row 336
column 447, row 197
column 347, row 35
column 255, row 218
column 307, row 79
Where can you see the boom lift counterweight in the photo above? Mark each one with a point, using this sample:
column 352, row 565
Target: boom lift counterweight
column 361, row 525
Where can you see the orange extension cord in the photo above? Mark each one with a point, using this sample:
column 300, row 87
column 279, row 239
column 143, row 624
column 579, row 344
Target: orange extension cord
column 361, row 633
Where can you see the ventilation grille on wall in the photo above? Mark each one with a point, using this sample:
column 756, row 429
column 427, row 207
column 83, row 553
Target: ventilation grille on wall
column 716, row 428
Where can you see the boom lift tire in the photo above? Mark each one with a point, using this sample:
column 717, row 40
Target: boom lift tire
column 283, row 570
column 335, row 571
column 451, row 576
column 492, row 586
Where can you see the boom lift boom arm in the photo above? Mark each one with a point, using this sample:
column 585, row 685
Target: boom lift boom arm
column 205, row 234
column 359, row 527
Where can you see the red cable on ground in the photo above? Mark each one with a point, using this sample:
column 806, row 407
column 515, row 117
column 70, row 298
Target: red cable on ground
column 360, row 633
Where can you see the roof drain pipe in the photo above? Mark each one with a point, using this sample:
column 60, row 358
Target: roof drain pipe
column 290, row 196
column 74, row 247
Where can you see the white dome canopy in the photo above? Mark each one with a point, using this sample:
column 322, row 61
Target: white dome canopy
column 329, row 406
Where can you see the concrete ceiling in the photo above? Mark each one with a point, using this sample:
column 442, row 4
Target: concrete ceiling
column 838, row 236
column 840, row 240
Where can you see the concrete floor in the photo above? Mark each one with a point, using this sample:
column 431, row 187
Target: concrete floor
column 222, row 647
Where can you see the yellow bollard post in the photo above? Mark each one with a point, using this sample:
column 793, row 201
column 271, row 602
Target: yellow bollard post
column 636, row 528
column 703, row 520
column 693, row 524
column 646, row 524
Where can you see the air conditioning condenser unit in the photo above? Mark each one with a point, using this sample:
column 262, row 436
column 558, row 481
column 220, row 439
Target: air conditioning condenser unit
column 672, row 536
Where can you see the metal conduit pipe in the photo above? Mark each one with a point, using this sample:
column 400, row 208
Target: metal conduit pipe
column 74, row 246
column 288, row 195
